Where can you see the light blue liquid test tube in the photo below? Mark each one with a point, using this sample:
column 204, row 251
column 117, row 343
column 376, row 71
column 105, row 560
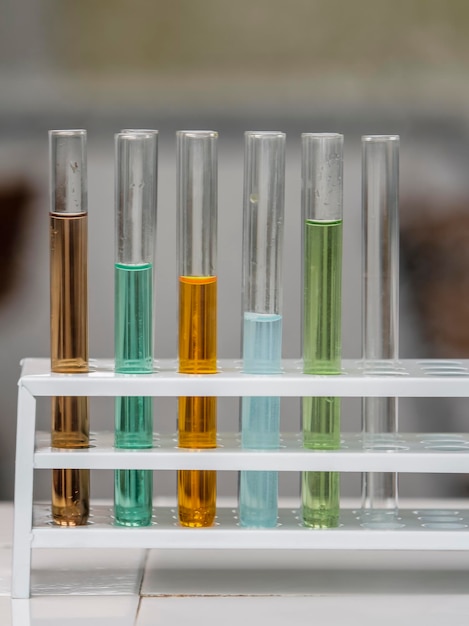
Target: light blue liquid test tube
column 263, row 214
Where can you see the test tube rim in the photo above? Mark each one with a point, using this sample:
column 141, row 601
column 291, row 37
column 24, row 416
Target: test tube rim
column 379, row 138
column 264, row 133
column 322, row 135
column 136, row 135
column 197, row 134
column 72, row 132
column 139, row 131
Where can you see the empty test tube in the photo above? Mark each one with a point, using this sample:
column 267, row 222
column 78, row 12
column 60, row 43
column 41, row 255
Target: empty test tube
column 380, row 197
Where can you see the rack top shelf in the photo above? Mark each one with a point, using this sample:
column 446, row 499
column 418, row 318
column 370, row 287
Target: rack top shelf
column 403, row 378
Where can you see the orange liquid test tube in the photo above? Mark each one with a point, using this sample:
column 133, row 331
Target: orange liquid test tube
column 197, row 213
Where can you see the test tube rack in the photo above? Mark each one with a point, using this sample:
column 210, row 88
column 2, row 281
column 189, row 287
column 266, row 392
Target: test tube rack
column 420, row 453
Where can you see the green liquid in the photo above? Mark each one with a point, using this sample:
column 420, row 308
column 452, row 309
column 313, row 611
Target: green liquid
column 133, row 489
column 133, row 318
column 322, row 355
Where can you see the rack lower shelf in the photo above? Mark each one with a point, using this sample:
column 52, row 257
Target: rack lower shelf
column 411, row 529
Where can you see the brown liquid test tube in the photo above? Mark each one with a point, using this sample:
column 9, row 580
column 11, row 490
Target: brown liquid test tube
column 69, row 315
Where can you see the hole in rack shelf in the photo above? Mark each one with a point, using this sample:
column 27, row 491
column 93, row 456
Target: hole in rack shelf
column 436, row 512
column 440, row 518
column 383, row 372
column 448, row 373
column 384, row 447
column 382, row 525
column 448, row 447
column 436, row 363
column 441, row 368
column 445, row 526
column 444, row 438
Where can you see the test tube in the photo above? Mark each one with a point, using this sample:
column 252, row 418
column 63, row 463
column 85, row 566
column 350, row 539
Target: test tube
column 380, row 196
column 69, row 315
column 197, row 249
column 136, row 199
column 322, row 191
column 263, row 213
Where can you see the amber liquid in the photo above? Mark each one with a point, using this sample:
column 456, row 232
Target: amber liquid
column 197, row 423
column 69, row 354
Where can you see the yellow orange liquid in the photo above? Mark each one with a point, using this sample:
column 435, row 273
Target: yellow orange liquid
column 69, row 354
column 198, row 324
column 197, row 417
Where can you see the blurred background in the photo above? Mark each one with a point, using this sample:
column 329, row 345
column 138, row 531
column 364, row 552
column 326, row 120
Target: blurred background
column 368, row 66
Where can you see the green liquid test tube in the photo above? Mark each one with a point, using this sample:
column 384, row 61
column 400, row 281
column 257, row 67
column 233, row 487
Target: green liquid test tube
column 322, row 166
column 136, row 166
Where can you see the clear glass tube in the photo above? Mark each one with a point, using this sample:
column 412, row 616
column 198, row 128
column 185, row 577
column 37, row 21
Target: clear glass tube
column 136, row 200
column 322, row 192
column 380, row 196
column 197, row 248
column 263, row 213
column 69, row 314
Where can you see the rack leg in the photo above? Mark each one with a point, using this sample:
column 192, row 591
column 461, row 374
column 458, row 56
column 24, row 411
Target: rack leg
column 21, row 612
column 23, row 515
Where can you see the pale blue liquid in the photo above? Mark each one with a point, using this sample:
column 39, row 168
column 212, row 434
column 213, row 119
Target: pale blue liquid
column 260, row 419
column 133, row 489
column 262, row 343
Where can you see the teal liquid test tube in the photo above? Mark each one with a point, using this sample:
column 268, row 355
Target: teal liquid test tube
column 263, row 217
column 136, row 197
column 380, row 335
column 322, row 195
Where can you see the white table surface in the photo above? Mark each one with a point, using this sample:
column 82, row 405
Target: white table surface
column 156, row 587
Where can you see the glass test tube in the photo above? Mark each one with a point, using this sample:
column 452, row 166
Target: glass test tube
column 197, row 247
column 136, row 200
column 264, row 192
column 69, row 315
column 322, row 190
column 380, row 196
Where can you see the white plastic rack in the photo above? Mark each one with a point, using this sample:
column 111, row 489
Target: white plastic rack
column 410, row 530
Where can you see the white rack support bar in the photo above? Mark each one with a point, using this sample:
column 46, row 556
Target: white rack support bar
column 406, row 378
column 426, row 530
column 421, row 453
